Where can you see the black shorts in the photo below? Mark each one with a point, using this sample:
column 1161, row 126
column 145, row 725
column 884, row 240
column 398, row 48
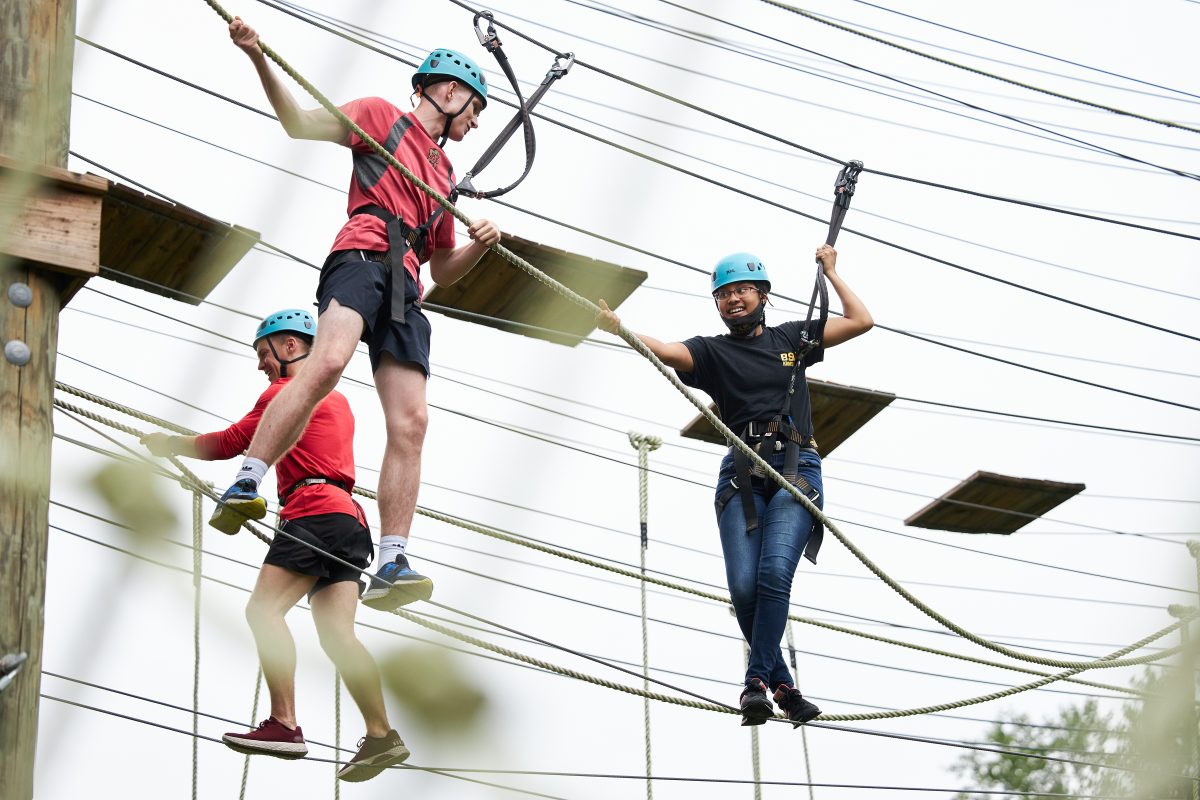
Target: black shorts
column 366, row 287
column 338, row 534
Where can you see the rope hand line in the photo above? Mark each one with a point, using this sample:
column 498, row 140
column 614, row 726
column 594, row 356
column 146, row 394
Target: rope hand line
column 1112, row 660
column 947, row 62
column 512, row 538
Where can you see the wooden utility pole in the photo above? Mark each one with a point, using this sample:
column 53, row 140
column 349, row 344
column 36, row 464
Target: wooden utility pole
column 36, row 58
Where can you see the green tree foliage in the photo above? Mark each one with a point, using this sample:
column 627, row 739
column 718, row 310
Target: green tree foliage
column 1151, row 742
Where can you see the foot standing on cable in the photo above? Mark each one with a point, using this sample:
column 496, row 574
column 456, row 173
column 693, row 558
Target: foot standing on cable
column 317, row 513
column 370, row 288
column 750, row 373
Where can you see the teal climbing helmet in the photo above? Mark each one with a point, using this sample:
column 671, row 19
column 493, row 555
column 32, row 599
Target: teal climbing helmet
column 290, row 320
column 739, row 267
column 446, row 65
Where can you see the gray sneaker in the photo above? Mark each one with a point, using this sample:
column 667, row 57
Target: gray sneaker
column 373, row 757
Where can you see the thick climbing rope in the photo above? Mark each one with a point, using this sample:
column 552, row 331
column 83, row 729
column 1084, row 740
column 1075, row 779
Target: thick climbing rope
column 755, row 770
column 197, row 545
column 644, row 444
column 723, row 600
column 191, row 482
column 258, row 680
column 635, row 343
column 1114, row 659
column 791, row 643
column 337, row 733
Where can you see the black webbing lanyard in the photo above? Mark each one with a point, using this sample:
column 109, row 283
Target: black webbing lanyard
column 522, row 118
column 843, row 190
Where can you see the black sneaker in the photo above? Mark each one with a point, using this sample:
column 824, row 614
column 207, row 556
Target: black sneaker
column 791, row 702
column 756, row 706
column 373, row 757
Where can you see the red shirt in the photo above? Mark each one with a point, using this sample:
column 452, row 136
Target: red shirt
column 324, row 450
column 375, row 182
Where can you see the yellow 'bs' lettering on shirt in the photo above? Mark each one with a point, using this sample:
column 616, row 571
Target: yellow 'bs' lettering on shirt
column 788, row 359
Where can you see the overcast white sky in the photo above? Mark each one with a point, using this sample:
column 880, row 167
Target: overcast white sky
column 123, row 624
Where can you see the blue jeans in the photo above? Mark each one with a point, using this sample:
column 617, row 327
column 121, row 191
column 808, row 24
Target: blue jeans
column 759, row 566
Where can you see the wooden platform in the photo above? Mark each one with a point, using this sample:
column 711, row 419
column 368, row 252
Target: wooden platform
column 77, row 224
column 838, row 411
column 502, row 296
column 990, row 503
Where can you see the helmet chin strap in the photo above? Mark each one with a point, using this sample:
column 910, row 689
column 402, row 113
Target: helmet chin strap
column 744, row 327
column 283, row 363
column 449, row 117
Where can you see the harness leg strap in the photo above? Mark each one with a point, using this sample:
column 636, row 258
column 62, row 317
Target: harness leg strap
column 749, row 512
column 397, row 249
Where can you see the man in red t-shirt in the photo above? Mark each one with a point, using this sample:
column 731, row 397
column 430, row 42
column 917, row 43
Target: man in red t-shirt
column 317, row 513
column 370, row 289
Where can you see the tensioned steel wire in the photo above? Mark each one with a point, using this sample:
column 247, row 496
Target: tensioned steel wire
column 782, row 140
column 629, row 337
column 947, row 62
column 1017, row 285
column 1113, row 659
column 460, row 773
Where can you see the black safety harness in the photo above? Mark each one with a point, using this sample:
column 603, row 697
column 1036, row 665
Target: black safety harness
column 403, row 236
column 780, row 433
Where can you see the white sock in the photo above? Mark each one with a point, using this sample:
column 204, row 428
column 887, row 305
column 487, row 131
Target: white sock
column 252, row 470
column 390, row 547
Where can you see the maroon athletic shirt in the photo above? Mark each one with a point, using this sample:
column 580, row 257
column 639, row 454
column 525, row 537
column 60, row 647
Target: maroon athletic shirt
column 325, row 450
column 375, row 182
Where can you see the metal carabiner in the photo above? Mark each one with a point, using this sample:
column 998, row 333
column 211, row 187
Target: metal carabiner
column 847, row 180
column 559, row 70
column 489, row 40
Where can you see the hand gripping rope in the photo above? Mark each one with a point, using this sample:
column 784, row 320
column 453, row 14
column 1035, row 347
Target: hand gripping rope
column 562, row 64
column 636, row 344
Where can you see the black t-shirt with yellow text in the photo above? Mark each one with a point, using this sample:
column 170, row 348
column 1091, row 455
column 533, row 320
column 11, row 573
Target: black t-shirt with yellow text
column 748, row 378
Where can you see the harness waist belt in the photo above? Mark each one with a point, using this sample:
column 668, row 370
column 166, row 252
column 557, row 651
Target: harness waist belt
column 773, row 436
column 313, row 481
column 402, row 237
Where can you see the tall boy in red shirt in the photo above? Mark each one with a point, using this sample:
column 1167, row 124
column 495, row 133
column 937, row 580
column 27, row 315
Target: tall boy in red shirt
column 370, row 288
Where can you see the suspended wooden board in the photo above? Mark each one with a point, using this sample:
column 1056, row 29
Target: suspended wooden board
column 990, row 503
column 79, row 223
column 502, row 296
column 175, row 251
column 838, row 411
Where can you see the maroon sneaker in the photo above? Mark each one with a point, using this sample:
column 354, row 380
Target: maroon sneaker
column 270, row 738
column 375, row 754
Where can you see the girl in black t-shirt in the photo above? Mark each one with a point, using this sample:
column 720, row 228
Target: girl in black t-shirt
column 748, row 372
